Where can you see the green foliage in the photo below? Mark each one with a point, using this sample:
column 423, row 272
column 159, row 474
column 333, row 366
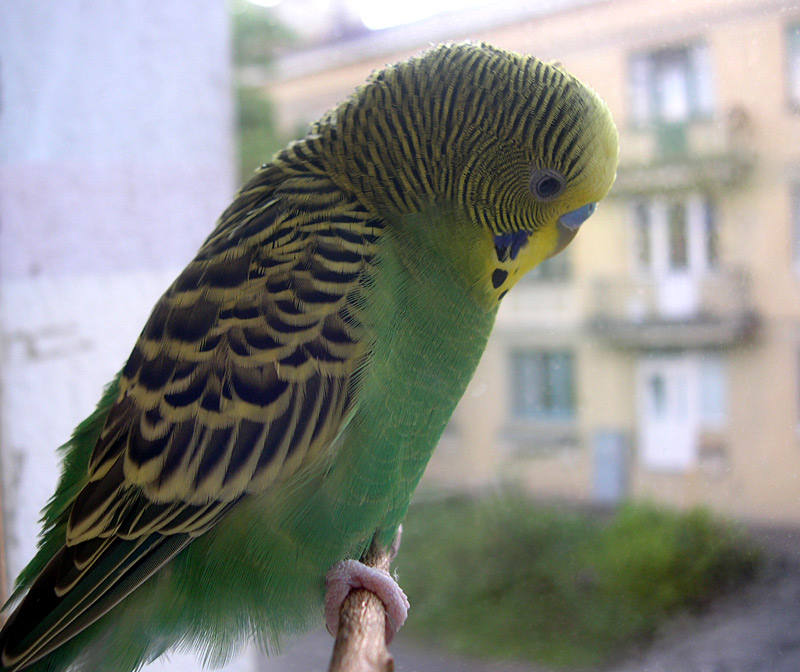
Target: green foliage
column 257, row 36
column 503, row 578
column 258, row 136
column 670, row 561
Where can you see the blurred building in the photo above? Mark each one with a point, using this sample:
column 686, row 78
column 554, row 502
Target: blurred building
column 660, row 356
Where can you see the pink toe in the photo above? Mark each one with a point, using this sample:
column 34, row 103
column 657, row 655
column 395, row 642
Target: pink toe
column 347, row 575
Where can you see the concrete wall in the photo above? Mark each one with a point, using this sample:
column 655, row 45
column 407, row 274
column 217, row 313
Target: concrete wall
column 116, row 158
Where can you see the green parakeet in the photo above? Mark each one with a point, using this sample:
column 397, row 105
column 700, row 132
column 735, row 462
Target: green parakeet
column 285, row 395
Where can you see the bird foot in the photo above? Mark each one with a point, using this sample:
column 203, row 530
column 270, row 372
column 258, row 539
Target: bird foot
column 349, row 575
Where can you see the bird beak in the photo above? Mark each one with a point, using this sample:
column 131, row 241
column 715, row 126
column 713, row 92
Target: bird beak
column 569, row 223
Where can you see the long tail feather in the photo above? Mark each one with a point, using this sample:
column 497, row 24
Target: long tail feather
column 44, row 619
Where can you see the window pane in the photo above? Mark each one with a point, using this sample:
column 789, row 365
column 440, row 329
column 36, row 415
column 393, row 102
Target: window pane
column 795, row 214
column 542, row 385
column 702, row 83
column 711, row 236
column 678, row 243
column 713, row 390
column 642, row 234
column 527, row 382
column 793, row 64
column 672, row 86
column 560, row 381
column 657, row 389
column 797, row 388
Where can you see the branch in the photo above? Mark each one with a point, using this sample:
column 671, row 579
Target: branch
column 361, row 639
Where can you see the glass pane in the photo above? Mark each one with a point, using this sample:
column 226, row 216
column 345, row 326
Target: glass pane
column 527, row 382
column 713, row 389
column 672, row 86
column 797, row 387
column 678, row 242
column 643, row 234
column 542, row 385
column 793, row 83
column 702, row 91
column 795, row 214
column 681, row 392
column 711, row 234
column 658, row 395
column 560, row 385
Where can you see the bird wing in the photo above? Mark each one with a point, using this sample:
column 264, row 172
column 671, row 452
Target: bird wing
column 240, row 377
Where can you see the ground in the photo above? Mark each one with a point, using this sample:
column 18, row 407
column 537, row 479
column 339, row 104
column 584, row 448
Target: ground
column 756, row 629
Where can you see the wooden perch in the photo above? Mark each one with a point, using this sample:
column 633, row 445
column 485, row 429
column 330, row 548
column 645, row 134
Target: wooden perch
column 361, row 639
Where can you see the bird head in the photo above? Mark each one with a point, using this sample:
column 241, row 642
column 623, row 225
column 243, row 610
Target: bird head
column 546, row 153
column 518, row 149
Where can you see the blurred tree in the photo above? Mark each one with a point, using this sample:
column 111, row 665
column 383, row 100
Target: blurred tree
column 257, row 34
column 258, row 138
column 257, row 38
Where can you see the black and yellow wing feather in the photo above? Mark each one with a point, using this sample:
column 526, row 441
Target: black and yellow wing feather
column 243, row 374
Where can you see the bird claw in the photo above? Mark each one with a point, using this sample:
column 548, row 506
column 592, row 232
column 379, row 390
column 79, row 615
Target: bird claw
column 349, row 575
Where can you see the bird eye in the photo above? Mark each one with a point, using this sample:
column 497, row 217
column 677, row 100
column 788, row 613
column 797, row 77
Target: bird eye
column 546, row 183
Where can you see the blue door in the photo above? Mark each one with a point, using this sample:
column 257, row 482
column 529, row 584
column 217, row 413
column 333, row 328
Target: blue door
column 610, row 468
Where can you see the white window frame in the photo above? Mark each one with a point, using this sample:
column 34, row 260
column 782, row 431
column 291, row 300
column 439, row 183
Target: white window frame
column 692, row 379
column 646, row 67
column 699, row 209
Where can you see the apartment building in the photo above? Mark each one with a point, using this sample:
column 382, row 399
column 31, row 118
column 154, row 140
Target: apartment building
column 659, row 357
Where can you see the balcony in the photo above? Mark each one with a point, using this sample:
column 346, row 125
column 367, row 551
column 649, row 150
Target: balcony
column 701, row 154
column 712, row 311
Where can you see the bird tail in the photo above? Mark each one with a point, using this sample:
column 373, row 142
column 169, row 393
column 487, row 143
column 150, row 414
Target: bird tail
column 49, row 616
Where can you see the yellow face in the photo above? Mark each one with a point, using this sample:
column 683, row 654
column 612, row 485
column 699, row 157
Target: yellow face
column 555, row 205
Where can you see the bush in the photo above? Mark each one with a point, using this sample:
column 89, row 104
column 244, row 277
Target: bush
column 504, row 578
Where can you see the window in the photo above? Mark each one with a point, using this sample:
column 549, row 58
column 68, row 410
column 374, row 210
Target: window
column 674, row 235
column 671, row 86
column 713, row 384
column 667, row 421
column 678, row 252
column 642, row 234
column 797, row 388
column 795, row 215
column 542, row 385
column 711, row 234
column 793, row 65
column 679, row 396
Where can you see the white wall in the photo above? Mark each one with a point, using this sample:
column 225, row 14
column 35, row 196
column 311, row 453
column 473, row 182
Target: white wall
column 116, row 157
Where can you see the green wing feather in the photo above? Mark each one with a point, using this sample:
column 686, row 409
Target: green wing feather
column 242, row 375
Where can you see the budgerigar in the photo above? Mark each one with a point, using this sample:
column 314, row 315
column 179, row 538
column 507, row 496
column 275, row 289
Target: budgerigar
column 284, row 397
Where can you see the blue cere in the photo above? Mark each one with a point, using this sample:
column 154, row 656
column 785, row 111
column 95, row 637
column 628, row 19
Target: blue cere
column 572, row 220
column 509, row 244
